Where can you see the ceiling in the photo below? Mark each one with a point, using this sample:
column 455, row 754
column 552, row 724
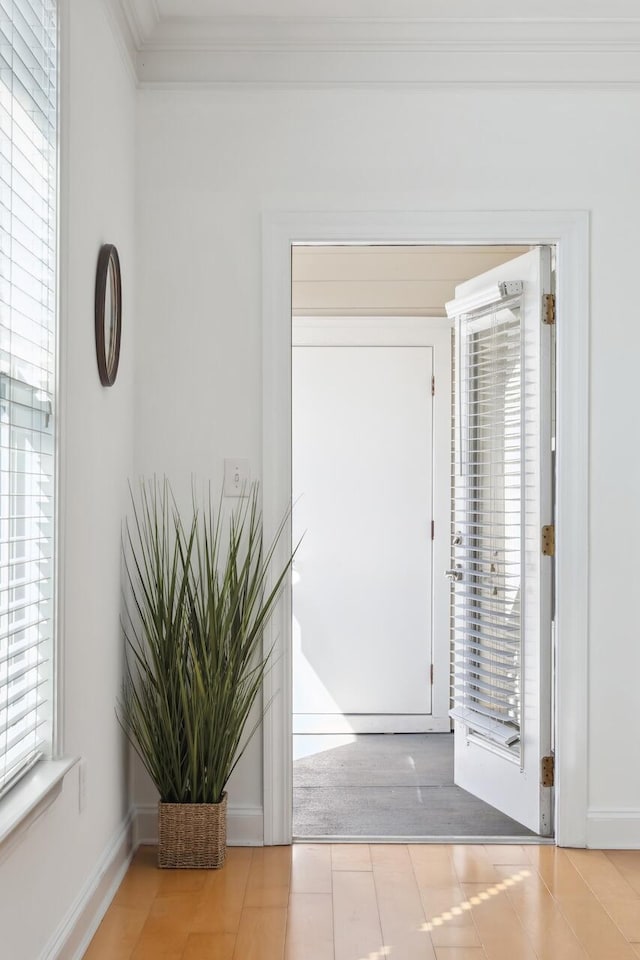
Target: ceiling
column 380, row 41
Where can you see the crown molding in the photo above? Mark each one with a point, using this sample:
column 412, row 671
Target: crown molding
column 205, row 50
column 136, row 19
column 326, row 34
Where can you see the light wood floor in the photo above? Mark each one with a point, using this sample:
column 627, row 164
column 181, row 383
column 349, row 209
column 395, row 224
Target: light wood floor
column 372, row 902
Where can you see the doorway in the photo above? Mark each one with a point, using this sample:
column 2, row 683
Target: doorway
column 372, row 470
column 569, row 232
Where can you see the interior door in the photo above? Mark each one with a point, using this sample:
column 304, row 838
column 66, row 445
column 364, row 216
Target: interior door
column 500, row 578
column 362, row 482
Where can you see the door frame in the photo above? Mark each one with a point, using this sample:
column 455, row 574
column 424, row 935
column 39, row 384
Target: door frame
column 413, row 331
column 568, row 231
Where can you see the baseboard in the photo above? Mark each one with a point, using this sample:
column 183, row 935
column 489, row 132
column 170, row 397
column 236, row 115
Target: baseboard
column 614, row 829
column 74, row 933
column 322, row 723
column 245, row 825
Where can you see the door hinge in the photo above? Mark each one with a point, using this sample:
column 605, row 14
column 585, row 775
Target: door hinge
column 431, row 674
column 547, row 771
column 433, row 529
column 433, row 386
column 549, row 308
column 549, row 541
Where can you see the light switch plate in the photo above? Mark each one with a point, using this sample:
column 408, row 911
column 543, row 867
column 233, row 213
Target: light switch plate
column 236, row 478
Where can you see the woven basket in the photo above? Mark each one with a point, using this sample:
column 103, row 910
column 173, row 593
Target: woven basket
column 192, row 836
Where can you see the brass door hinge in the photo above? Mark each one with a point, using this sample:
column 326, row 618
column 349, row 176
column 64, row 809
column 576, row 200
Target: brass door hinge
column 549, row 308
column 433, row 386
column 547, row 771
column 549, row 541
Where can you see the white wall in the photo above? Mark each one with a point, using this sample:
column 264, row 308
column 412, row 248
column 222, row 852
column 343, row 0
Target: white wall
column 47, row 870
column 210, row 162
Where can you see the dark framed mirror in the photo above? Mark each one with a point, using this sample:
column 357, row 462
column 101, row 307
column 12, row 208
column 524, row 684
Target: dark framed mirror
column 108, row 313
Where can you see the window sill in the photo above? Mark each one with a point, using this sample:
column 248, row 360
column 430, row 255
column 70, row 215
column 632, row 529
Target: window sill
column 30, row 798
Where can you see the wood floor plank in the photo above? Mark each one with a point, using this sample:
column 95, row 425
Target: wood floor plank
column 627, row 862
column 261, row 935
column 350, row 856
column 448, row 917
column 118, row 933
column 433, row 865
column 626, row 916
column 558, row 873
column 460, row 953
column 311, row 868
column 540, row 915
column 596, row 931
column 142, row 880
column 499, row 929
column 219, row 903
column 472, row 864
column 505, row 853
column 601, row 875
column 166, row 928
column 269, row 877
column 356, row 922
column 209, row 946
column 379, row 901
column 402, row 917
column 310, row 927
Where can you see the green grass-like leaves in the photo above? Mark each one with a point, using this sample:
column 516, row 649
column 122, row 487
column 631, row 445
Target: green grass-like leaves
column 200, row 594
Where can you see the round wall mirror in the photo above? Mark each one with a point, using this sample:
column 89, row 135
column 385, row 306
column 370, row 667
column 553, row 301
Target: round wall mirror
column 108, row 313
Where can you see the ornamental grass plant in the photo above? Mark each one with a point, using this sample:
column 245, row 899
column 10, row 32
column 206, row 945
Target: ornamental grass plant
column 199, row 593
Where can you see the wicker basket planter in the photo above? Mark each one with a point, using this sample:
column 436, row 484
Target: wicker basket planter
column 192, row 836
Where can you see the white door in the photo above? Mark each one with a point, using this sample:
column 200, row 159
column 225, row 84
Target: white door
column 502, row 498
column 362, row 482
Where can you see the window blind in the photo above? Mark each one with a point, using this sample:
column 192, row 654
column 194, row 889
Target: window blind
column 28, row 156
column 488, row 523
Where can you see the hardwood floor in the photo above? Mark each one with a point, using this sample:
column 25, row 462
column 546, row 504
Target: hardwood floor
column 379, row 901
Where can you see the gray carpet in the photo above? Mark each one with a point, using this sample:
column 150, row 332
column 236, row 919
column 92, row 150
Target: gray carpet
column 381, row 785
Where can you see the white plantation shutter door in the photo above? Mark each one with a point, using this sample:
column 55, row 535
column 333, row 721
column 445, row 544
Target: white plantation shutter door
column 489, row 511
column 28, row 107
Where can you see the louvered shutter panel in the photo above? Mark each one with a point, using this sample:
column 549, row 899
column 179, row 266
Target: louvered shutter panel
column 28, row 136
column 488, row 491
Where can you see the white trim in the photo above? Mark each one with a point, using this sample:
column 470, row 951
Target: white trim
column 614, row 828
column 569, row 230
column 74, row 933
column 62, row 293
column 244, row 825
column 125, row 33
column 425, row 48
column 309, row 724
column 29, row 798
column 427, row 66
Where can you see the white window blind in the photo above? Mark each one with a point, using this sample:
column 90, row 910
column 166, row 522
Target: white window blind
column 488, row 523
column 28, row 135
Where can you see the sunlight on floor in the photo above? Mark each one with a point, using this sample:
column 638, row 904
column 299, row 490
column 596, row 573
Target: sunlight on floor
column 308, row 745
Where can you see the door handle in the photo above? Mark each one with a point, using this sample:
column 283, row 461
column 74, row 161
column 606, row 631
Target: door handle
column 453, row 575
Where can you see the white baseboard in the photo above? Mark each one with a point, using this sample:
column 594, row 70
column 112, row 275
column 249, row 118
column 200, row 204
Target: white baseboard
column 321, row 723
column 614, row 829
column 245, row 825
column 74, row 933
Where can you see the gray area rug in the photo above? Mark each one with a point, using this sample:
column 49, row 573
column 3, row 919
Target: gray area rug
column 390, row 785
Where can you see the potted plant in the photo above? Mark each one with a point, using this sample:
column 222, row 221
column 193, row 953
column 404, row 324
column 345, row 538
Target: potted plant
column 199, row 596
